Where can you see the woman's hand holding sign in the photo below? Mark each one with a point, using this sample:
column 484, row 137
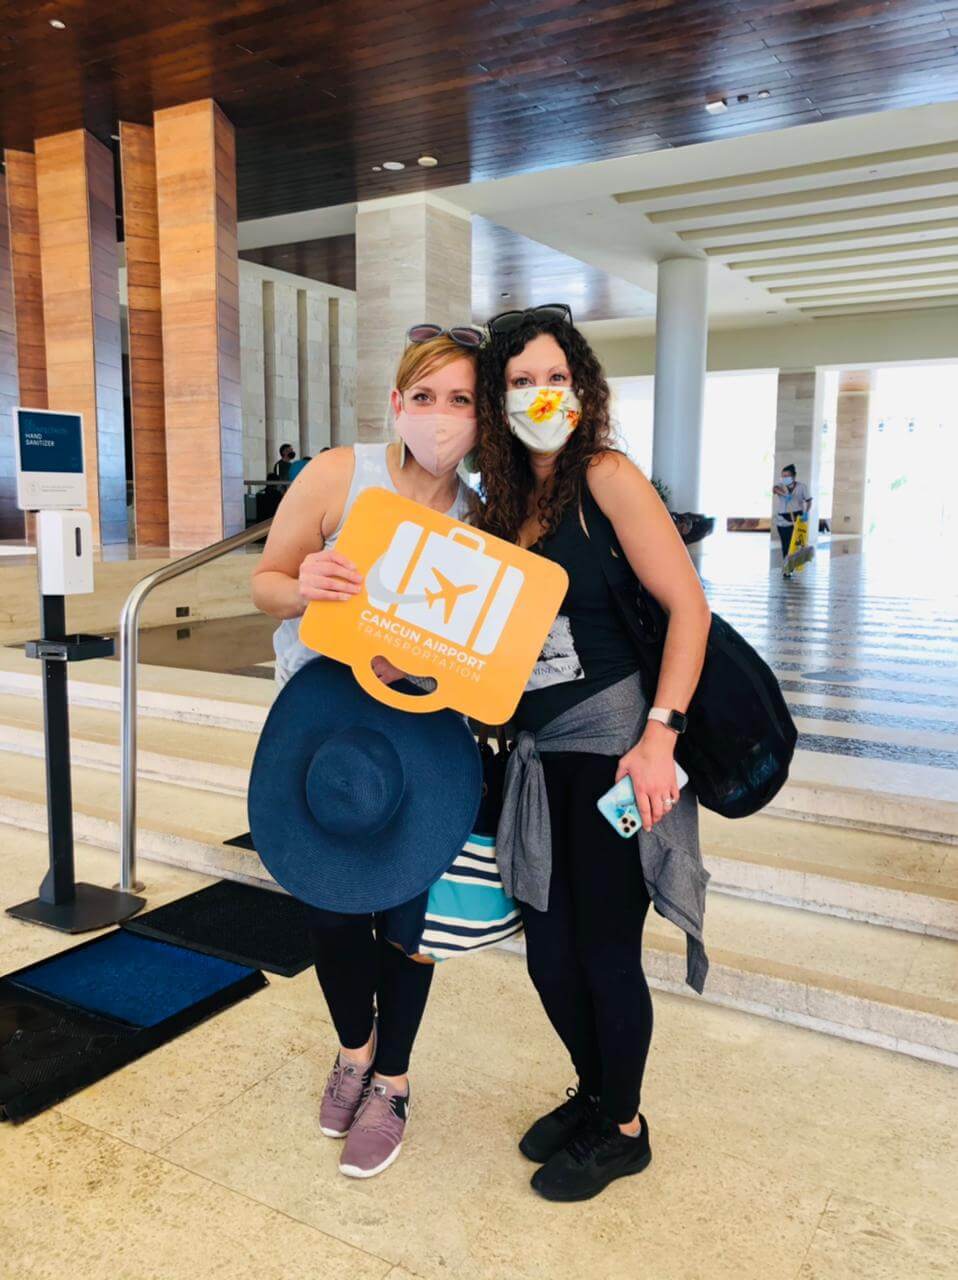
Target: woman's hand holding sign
column 327, row 575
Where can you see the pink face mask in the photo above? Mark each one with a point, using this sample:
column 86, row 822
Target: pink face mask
column 438, row 441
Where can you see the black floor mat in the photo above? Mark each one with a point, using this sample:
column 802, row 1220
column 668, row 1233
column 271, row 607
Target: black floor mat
column 245, row 841
column 255, row 927
column 51, row 1047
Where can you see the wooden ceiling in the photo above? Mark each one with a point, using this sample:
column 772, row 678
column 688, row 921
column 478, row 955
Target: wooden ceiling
column 508, row 270
column 320, row 93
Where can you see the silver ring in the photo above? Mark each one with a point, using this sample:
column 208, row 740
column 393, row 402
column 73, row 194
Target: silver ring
column 668, row 802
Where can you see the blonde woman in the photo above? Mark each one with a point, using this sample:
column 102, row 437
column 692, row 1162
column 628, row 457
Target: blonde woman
column 376, row 993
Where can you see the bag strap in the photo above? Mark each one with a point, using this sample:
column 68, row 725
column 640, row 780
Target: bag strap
column 483, row 732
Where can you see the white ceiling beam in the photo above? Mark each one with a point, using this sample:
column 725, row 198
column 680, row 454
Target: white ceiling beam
column 930, row 291
column 868, row 308
column 941, row 277
column 763, row 277
column 836, row 237
column 808, row 195
column 862, row 213
column 904, row 155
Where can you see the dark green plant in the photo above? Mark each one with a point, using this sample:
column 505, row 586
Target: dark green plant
column 662, row 489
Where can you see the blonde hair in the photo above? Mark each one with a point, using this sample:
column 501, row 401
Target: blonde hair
column 421, row 358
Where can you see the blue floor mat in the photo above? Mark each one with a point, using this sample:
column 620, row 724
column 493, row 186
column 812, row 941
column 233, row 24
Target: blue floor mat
column 70, row 1020
column 132, row 979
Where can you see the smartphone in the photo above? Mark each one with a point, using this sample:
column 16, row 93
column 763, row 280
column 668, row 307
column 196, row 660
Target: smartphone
column 618, row 805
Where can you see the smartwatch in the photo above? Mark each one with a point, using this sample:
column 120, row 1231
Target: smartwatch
column 674, row 720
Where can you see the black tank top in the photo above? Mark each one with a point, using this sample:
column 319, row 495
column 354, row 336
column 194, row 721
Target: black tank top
column 588, row 648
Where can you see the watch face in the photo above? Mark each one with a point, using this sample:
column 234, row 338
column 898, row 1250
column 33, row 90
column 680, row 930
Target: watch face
column 678, row 721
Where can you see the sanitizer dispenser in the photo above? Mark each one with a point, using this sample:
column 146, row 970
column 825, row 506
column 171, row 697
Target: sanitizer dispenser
column 65, row 552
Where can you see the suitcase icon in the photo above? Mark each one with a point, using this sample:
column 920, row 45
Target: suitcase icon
column 447, row 585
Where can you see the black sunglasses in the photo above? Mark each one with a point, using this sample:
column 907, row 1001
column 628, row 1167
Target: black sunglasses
column 509, row 321
column 466, row 335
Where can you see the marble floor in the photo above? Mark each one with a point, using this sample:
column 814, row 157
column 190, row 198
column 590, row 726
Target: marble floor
column 779, row 1154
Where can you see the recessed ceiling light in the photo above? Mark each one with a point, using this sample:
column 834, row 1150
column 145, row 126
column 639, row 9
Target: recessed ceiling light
column 505, row 295
column 717, row 106
column 743, row 97
column 393, row 165
column 764, row 93
column 57, row 25
column 427, row 162
column 377, row 168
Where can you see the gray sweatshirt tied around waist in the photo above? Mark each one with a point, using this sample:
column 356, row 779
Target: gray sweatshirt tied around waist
column 609, row 724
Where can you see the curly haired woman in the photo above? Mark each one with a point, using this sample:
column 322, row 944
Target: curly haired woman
column 549, row 471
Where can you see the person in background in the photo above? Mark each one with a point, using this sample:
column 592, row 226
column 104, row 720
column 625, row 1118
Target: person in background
column 296, row 467
column 287, row 455
column 791, row 501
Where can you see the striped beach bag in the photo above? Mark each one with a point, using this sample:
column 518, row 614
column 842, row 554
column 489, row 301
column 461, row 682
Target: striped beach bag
column 467, row 908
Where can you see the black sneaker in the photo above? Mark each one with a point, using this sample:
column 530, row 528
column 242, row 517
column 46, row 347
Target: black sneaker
column 593, row 1159
column 554, row 1131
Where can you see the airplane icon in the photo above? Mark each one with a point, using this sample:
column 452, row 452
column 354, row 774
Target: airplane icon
column 448, row 593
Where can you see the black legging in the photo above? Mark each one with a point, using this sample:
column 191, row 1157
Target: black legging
column 357, row 967
column 785, row 533
column 585, row 952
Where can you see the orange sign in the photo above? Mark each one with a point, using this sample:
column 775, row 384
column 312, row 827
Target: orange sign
column 438, row 599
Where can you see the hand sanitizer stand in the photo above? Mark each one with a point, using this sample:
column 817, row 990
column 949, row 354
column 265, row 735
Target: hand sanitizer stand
column 65, row 567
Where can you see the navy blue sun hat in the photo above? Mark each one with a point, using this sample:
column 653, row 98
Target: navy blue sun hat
column 354, row 806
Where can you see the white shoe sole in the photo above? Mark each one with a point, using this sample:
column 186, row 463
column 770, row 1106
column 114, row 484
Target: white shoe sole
column 334, row 1133
column 354, row 1171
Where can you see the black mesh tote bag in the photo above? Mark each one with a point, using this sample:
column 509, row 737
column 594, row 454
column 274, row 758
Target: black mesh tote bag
column 740, row 737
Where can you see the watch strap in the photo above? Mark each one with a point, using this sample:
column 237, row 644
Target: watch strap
column 674, row 720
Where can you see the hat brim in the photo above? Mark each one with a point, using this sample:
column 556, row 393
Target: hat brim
column 360, row 873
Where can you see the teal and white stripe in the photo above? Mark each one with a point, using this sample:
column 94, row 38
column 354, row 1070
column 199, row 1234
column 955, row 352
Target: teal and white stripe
column 468, row 908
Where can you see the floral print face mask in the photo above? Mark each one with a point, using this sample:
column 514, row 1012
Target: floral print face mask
column 543, row 418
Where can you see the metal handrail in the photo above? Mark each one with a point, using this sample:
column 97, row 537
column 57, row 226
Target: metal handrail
column 129, row 656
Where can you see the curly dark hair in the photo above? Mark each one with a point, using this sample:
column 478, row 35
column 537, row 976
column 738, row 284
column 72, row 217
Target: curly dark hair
column 508, row 483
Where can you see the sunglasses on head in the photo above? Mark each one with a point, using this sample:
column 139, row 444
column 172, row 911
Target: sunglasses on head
column 466, row 335
column 509, row 321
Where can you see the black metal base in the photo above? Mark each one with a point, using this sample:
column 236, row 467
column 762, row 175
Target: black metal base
column 91, row 908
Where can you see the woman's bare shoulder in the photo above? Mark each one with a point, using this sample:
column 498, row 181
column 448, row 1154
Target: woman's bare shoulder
column 611, row 473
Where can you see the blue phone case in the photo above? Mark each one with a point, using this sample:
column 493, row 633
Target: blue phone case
column 618, row 807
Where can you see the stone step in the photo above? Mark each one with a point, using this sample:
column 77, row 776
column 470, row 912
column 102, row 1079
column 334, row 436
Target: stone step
column 899, row 799
column 889, row 879
column 901, row 882
column 816, row 971
column 848, row 978
column 211, row 757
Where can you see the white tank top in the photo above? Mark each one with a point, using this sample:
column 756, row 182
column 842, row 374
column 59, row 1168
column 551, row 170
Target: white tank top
column 371, row 471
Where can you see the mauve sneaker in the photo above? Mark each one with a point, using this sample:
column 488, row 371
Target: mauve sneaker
column 342, row 1096
column 375, row 1139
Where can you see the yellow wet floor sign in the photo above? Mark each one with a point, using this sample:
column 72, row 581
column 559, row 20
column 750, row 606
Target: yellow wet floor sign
column 438, row 599
column 800, row 552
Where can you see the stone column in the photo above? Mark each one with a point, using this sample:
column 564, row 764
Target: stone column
column 851, row 450
column 798, row 433
column 199, row 293
column 681, row 339
column 342, row 370
column 281, row 347
column 81, row 308
column 11, row 518
column 313, row 338
column 413, row 264
column 253, row 377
